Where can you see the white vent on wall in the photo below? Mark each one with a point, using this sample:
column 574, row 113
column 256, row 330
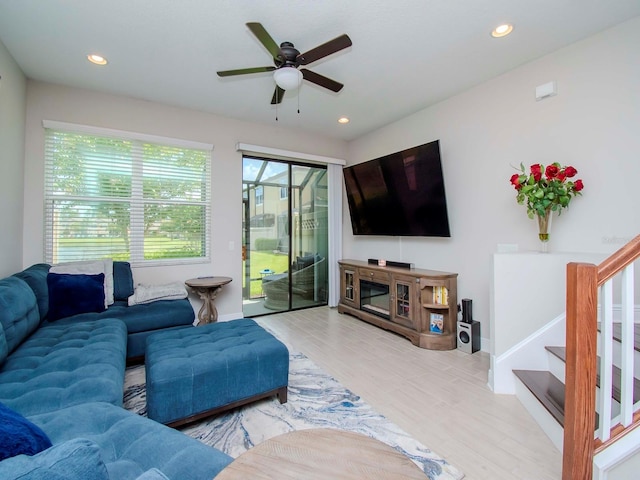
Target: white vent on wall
column 545, row 91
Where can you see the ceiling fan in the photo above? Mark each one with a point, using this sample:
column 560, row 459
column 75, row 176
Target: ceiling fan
column 287, row 59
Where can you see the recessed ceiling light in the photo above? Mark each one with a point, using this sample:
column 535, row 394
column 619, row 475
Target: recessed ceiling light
column 97, row 59
column 502, row 30
column 343, row 120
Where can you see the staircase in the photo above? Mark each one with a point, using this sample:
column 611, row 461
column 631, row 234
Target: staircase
column 589, row 399
column 547, row 387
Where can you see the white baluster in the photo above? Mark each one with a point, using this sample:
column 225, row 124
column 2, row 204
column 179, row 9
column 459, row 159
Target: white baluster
column 606, row 359
column 626, row 400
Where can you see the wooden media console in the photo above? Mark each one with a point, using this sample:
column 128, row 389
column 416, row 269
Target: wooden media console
column 418, row 304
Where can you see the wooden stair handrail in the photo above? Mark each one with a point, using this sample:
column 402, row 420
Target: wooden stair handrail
column 583, row 280
column 619, row 260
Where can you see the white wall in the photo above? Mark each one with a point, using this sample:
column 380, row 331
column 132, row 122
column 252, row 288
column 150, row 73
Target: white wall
column 593, row 124
column 53, row 102
column 13, row 95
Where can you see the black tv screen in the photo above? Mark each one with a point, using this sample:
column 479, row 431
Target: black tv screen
column 401, row 194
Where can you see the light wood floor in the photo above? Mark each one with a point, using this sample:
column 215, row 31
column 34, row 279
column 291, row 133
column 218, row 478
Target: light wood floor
column 440, row 398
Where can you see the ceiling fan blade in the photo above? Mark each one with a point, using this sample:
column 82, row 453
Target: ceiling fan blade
column 265, row 39
column 332, row 46
column 278, row 93
column 244, row 71
column 321, row 80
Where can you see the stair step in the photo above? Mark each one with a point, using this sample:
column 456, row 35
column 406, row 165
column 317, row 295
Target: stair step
column 561, row 353
column 617, row 334
column 547, row 389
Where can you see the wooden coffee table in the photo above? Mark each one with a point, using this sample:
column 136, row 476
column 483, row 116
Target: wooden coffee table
column 321, row 454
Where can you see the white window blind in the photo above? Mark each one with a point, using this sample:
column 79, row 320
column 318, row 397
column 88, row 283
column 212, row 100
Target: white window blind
column 125, row 198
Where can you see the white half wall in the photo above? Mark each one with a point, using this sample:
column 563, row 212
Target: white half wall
column 13, row 101
column 485, row 132
column 528, row 303
column 528, row 291
column 621, row 460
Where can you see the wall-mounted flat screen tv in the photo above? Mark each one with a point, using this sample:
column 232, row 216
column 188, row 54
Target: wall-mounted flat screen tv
column 401, row 194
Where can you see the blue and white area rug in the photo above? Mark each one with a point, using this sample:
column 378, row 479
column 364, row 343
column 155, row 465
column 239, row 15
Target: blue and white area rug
column 315, row 400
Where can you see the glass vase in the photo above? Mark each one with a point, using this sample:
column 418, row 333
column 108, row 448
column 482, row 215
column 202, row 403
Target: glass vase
column 544, row 229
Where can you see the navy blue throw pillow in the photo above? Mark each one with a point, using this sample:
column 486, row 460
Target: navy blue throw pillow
column 71, row 294
column 122, row 280
column 19, row 436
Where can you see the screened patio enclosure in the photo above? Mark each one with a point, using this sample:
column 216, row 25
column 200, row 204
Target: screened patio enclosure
column 285, row 236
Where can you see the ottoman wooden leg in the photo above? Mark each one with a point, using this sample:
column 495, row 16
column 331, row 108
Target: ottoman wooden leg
column 282, row 394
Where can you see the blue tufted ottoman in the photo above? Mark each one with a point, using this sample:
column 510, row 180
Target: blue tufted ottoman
column 195, row 372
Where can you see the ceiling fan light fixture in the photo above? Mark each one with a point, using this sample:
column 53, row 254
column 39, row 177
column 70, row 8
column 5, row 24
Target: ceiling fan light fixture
column 288, row 78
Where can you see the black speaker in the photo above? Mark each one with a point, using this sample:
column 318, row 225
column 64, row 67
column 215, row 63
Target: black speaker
column 469, row 336
column 467, row 315
column 391, row 263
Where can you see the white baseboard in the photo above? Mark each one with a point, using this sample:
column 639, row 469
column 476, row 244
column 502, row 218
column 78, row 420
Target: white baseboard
column 230, row 316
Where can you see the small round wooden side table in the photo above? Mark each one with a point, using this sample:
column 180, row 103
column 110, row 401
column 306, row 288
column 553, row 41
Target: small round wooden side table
column 208, row 288
column 321, row 454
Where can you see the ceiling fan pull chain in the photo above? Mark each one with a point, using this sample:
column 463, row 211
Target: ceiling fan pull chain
column 298, row 101
column 276, row 105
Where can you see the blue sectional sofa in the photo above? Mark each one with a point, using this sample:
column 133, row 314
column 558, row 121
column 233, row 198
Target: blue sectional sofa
column 67, row 376
column 140, row 320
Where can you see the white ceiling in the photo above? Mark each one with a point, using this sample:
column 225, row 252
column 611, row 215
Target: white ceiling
column 406, row 54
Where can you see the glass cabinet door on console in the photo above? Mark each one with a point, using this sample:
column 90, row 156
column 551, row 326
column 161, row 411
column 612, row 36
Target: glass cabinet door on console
column 349, row 286
column 403, row 301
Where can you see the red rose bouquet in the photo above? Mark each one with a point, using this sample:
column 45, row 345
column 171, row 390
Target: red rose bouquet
column 546, row 190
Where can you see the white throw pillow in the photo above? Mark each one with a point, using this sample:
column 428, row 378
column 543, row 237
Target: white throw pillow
column 90, row 267
column 151, row 293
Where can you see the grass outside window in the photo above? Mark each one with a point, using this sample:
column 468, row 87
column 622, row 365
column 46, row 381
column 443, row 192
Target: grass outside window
column 279, row 263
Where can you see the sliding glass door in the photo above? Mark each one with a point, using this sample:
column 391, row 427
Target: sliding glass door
column 309, row 236
column 285, row 236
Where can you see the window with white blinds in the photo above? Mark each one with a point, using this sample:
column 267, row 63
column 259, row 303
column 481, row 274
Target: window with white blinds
column 125, row 198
